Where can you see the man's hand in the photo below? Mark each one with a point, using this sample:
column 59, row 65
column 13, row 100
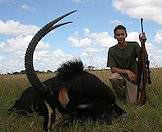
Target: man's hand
column 132, row 76
column 142, row 37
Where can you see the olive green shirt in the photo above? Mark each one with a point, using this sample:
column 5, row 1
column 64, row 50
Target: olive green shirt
column 124, row 58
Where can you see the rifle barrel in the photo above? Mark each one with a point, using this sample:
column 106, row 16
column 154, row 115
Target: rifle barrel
column 142, row 24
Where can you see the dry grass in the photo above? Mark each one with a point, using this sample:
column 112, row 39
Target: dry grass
column 140, row 119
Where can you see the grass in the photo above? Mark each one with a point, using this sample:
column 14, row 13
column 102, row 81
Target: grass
column 147, row 118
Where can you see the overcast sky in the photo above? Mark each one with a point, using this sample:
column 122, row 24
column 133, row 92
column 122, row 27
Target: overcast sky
column 89, row 36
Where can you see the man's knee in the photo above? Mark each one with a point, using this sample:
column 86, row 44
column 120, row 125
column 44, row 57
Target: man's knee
column 118, row 84
column 115, row 76
column 116, row 79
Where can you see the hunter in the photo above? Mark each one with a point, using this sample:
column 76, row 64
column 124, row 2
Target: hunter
column 123, row 60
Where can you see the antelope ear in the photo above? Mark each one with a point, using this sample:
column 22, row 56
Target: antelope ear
column 63, row 96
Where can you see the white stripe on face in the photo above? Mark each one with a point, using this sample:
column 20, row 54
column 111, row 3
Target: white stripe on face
column 50, row 111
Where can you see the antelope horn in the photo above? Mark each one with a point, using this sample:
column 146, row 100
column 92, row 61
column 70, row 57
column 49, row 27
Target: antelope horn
column 30, row 72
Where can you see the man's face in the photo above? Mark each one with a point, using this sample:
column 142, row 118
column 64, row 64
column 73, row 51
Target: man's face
column 120, row 35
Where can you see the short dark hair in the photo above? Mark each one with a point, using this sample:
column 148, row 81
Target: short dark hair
column 120, row 27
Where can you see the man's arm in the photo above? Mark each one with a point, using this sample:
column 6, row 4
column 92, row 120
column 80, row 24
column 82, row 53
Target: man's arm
column 129, row 73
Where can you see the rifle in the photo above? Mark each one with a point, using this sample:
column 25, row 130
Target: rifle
column 143, row 71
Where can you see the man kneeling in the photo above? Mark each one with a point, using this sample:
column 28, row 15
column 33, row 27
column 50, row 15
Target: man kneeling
column 122, row 59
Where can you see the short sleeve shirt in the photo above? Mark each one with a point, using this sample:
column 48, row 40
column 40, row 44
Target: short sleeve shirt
column 125, row 58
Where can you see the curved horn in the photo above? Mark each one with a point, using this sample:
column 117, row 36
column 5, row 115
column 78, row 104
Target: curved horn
column 30, row 72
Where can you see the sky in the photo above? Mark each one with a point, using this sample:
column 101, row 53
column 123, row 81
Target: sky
column 89, row 36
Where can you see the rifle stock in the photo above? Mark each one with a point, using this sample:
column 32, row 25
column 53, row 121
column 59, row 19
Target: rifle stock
column 143, row 71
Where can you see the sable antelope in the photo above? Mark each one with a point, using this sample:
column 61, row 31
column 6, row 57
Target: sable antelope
column 76, row 93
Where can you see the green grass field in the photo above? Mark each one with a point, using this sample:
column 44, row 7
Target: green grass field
column 147, row 118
